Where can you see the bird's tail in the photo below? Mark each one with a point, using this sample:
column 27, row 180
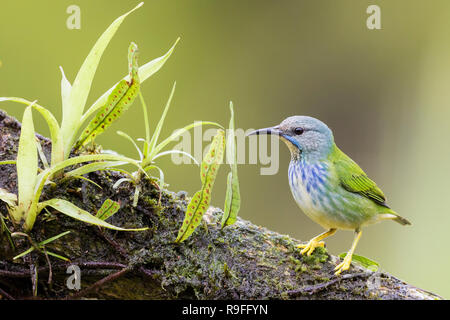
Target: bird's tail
column 402, row 220
column 392, row 215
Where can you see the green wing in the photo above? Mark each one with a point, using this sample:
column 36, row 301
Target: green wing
column 353, row 179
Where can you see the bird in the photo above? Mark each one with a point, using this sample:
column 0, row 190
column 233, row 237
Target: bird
column 327, row 185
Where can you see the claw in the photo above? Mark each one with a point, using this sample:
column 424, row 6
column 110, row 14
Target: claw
column 344, row 265
column 310, row 246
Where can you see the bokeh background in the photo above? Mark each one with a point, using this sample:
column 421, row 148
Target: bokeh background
column 385, row 93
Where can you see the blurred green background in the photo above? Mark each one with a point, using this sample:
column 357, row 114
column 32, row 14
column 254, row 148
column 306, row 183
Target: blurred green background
column 385, row 94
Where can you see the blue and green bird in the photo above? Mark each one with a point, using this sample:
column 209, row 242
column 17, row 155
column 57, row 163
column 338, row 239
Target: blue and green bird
column 328, row 186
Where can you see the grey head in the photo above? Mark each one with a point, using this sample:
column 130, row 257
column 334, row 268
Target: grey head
column 306, row 137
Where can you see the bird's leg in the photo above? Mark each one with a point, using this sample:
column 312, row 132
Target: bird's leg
column 344, row 265
column 315, row 242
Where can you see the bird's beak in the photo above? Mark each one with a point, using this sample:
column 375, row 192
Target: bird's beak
column 272, row 130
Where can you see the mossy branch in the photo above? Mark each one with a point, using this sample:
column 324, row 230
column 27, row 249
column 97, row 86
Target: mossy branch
column 242, row 261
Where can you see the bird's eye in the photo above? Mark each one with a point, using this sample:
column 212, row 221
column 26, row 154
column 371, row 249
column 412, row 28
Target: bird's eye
column 298, row 131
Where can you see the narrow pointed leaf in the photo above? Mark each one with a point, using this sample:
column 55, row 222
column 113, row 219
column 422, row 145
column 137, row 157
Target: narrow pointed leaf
column 120, row 99
column 364, row 261
column 83, row 81
column 57, row 147
column 73, row 211
column 66, row 87
column 126, row 136
column 9, row 198
column 41, row 154
column 201, row 199
column 41, row 244
column 27, row 162
column 94, row 166
column 160, row 124
column 8, row 162
column 175, row 151
column 145, row 72
column 233, row 197
column 174, row 136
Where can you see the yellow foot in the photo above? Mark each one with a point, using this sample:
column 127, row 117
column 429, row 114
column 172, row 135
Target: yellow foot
column 310, row 246
column 344, row 265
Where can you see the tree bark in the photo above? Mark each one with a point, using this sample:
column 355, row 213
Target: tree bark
column 242, row 261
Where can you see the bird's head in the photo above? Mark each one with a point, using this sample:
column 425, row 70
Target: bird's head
column 305, row 136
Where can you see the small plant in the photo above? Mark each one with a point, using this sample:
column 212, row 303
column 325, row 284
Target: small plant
column 41, row 246
column 74, row 96
column 119, row 100
column 201, row 199
column 199, row 203
column 26, row 206
column 30, row 182
column 151, row 149
column 233, row 196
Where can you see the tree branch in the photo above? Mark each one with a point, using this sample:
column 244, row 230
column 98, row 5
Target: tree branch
column 243, row 261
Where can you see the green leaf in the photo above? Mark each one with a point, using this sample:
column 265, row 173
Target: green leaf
column 42, row 244
column 9, row 198
column 174, row 136
column 201, row 199
column 233, row 197
column 27, row 165
column 159, row 126
column 126, row 136
column 145, row 72
column 175, row 151
column 66, row 87
column 82, row 84
column 365, row 262
column 4, row 228
column 57, row 256
column 41, row 154
column 8, row 162
column 57, row 147
column 44, row 175
column 94, row 166
column 161, row 174
column 108, row 208
column 73, row 211
column 120, row 99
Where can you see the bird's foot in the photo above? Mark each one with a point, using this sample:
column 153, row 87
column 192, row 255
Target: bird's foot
column 344, row 265
column 310, row 246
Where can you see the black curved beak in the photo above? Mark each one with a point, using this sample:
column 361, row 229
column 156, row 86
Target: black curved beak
column 271, row 130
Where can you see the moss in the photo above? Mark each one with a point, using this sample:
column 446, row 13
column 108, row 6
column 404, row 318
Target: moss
column 242, row 261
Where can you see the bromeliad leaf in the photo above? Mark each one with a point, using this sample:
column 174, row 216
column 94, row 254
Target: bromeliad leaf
column 201, row 199
column 42, row 244
column 108, row 208
column 27, row 166
column 82, row 84
column 145, row 71
column 9, row 198
column 120, row 99
column 233, row 197
column 73, row 211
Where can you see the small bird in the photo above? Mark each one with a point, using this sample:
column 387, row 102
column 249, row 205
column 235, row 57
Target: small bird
column 328, row 186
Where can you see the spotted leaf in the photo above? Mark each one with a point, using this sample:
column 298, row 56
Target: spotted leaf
column 120, row 99
column 108, row 208
column 201, row 199
column 233, row 197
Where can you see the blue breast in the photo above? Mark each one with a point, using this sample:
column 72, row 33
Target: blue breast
column 308, row 182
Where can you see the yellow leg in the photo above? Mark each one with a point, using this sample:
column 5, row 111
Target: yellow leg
column 315, row 242
column 344, row 265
